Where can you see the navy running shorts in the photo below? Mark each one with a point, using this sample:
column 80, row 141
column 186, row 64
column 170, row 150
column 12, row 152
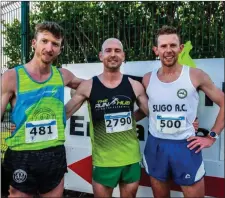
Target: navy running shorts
column 165, row 158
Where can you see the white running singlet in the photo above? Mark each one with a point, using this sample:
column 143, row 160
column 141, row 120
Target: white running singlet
column 172, row 106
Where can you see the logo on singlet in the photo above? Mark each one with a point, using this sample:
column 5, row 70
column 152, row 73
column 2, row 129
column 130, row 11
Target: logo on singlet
column 115, row 102
column 54, row 91
column 182, row 93
column 19, row 176
column 43, row 113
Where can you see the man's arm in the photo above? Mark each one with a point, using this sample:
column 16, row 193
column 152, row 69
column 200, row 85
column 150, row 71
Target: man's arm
column 142, row 99
column 205, row 84
column 8, row 84
column 82, row 93
column 70, row 80
column 217, row 96
column 146, row 80
column 72, row 92
column 138, row 114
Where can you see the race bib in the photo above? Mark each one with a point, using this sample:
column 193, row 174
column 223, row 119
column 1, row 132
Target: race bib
column 40, row 131
column 118, row 122
column 170, row 123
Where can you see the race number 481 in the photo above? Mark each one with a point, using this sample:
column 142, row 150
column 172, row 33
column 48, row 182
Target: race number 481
column 40, row 131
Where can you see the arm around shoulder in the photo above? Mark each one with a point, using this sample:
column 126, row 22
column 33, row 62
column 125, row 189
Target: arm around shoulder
column 82, row 93
column 70, row 79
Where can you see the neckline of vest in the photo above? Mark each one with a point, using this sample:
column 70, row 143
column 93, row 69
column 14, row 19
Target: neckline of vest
column 38, row 81
column 169, row 83
column 109, row 87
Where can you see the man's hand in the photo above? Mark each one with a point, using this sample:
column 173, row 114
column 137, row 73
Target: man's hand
column 201, row 142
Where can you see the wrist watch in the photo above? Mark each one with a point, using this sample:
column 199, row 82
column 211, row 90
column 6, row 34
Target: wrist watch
column 213, row 134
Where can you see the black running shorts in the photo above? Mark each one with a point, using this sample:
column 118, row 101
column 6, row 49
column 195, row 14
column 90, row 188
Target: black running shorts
column 36, row 171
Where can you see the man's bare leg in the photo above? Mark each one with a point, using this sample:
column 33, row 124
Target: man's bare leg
column 16, row 193
column 195, row 190
column 56, row 192
column 160, row 189
column 101, row 191
column 129, row 190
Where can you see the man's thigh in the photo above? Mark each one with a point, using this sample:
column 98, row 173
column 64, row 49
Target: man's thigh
column 129, row 181
column 16, row 193
column 18, row 166
column 129, row 189
column 131, row 173
column 186, row 165
column 107, row 176
column 56, row 192
column 155, row 158
column 195, row 190
column 54, row 168
column 35, row 172
column 101, row 190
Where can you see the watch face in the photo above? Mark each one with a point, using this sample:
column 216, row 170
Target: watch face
column 212, row 134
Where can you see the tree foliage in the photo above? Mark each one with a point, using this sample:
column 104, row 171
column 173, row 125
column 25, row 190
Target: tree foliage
column 88, row 24
column 12, row 47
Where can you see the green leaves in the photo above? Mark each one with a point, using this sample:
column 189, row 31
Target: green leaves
column 88, row 24
column 12, row 47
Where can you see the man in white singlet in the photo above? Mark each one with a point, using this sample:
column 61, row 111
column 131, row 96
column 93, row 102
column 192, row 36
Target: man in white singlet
column 172, row 149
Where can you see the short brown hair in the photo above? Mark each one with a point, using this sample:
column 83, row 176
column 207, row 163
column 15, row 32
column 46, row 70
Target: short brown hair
column 49, row 26
column 166, row 30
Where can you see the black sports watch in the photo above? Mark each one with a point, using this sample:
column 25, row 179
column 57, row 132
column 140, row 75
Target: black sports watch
column 213, row 134
column 201, row 132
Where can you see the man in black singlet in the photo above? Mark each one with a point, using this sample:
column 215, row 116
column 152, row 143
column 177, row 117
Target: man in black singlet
column 115, row 146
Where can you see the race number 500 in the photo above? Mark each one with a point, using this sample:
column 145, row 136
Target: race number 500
column 170, row 124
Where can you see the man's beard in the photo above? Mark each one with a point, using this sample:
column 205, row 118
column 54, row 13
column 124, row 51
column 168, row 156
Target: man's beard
column 170, row 64
column 48, row 61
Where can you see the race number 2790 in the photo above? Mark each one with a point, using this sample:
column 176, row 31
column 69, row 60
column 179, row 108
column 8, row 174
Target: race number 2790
column 118, row 122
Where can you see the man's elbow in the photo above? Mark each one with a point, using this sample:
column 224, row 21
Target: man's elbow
column 221, row 102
